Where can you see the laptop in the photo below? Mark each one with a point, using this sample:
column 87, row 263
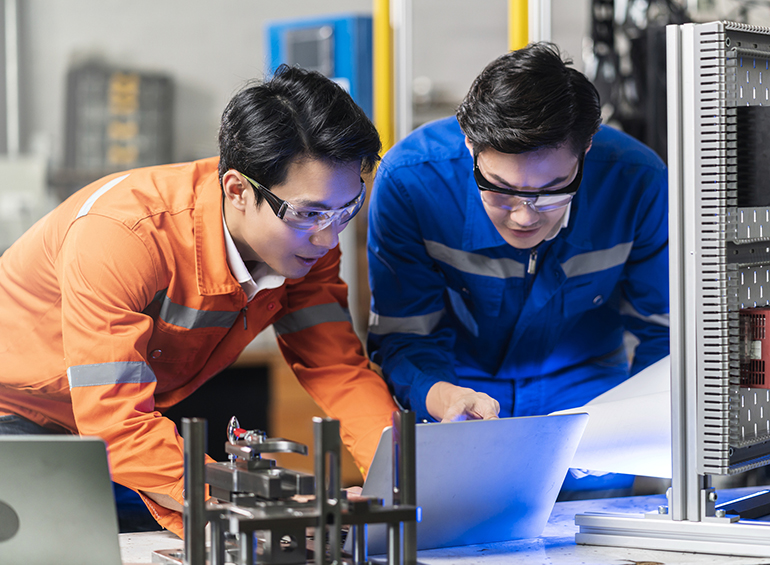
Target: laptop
column 56, row 501
column 480, row 481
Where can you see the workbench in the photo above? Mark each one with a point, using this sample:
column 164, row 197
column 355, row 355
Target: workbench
column 556, row 546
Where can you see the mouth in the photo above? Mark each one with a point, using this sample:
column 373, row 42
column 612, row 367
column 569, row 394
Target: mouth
column 524, row 233
column 308, row 260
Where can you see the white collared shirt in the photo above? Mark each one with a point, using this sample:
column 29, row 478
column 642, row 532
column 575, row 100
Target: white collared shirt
column 261, row 277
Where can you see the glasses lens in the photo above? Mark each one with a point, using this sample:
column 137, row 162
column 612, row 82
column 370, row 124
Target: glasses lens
column 497, row 200
column 540, row 203
column 307, row 220
column 317, row 220
column 547, row 203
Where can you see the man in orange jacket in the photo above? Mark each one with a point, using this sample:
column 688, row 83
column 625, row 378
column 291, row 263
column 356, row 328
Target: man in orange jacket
column 145, row 284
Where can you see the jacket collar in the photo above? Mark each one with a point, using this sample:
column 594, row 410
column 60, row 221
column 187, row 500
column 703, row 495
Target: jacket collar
column 212, row 272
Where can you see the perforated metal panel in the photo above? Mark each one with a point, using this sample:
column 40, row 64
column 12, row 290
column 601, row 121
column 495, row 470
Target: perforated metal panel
column 707, row 213
column 728, row 268
column 748, row 84
column 720, row 258
column 749, row 224
column 752, row 285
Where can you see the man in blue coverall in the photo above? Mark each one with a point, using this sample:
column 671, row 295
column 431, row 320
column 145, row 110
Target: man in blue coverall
column 512, row 247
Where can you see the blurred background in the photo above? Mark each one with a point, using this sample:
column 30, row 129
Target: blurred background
column 89, row 87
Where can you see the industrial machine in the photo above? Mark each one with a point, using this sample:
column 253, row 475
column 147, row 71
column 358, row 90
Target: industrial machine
column 338, row 46
column 264, row 512
column 719, row 241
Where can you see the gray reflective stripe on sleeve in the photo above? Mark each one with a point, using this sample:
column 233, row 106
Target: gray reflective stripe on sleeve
column 418, row 325
column 311, row 316
column 95, row 196
column 189, row 318
column 627, row 309
column 123, row 372
column 474, row 263
column 595, row 261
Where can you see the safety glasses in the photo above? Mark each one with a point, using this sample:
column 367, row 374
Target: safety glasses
column 310, row 219
column 540, row 201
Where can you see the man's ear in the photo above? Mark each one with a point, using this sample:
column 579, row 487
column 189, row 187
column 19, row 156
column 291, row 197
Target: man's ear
column 469, row 145
column 590, row 144
column 236, row 189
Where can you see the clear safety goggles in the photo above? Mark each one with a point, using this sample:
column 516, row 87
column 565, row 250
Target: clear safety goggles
column 310, row 219
column 511, row 200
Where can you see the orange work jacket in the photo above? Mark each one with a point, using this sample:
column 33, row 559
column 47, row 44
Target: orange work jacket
column 120, row 303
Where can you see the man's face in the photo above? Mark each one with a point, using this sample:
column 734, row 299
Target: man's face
column 524, row 226
column 311, row 185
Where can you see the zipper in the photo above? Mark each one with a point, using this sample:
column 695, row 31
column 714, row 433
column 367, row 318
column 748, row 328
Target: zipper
column 532, row 266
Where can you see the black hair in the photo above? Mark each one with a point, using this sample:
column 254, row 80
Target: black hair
column 530, row 99
column 296, row 114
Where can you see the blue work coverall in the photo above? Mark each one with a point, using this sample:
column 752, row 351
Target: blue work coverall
column 452, row 301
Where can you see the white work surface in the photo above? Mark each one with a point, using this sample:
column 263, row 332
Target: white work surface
column 555, row 547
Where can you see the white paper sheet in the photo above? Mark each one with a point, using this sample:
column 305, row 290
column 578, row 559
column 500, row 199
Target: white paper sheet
column 629, row 429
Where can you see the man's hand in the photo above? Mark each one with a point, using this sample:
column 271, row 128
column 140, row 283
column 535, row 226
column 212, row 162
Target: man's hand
column 164, row 500
column 450, row 403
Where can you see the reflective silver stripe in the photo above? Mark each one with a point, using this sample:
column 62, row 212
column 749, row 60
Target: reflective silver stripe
column 123, row 372
column 311, row 316
column 628, row 310
column 189, row 318
column 474, row 263
column 95, row 196
column 595, row 261
column 418, row 325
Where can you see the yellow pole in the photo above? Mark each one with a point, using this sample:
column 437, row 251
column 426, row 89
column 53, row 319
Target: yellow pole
column 518, row 24
column 383, row 73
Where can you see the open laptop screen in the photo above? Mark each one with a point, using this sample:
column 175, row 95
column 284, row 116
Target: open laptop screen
column 481, row 481
column 56, row 501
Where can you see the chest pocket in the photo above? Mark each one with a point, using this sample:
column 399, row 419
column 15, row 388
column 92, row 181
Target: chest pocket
column 587, row 292
column 177, row 353
column 474, row 298
column 172, row 344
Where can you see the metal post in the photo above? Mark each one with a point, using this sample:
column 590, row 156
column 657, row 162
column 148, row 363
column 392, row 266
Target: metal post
column 402, row 17
column 404, row 425
column 518, row 24
column 394, row 543
column 12, row 77
column 327, row 441
column 217, row 547
column 383, row 73
column 246, row 547
column 360, row 549
column 539, row 14
column 677, row 501
column 194, row 433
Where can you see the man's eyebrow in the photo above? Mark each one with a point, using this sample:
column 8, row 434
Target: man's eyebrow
column 312, row 204
column 550, row 184
column 322, row 205
column 553, row 183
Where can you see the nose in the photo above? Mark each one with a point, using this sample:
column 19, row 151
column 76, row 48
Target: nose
column 525, row 215
column 328, row 238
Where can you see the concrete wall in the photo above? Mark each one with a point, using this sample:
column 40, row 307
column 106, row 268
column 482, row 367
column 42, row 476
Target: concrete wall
column 210, row 48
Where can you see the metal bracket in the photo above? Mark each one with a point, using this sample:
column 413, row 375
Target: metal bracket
column 282, row 522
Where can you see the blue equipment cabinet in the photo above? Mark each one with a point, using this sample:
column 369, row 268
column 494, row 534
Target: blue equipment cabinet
column 339, row 46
